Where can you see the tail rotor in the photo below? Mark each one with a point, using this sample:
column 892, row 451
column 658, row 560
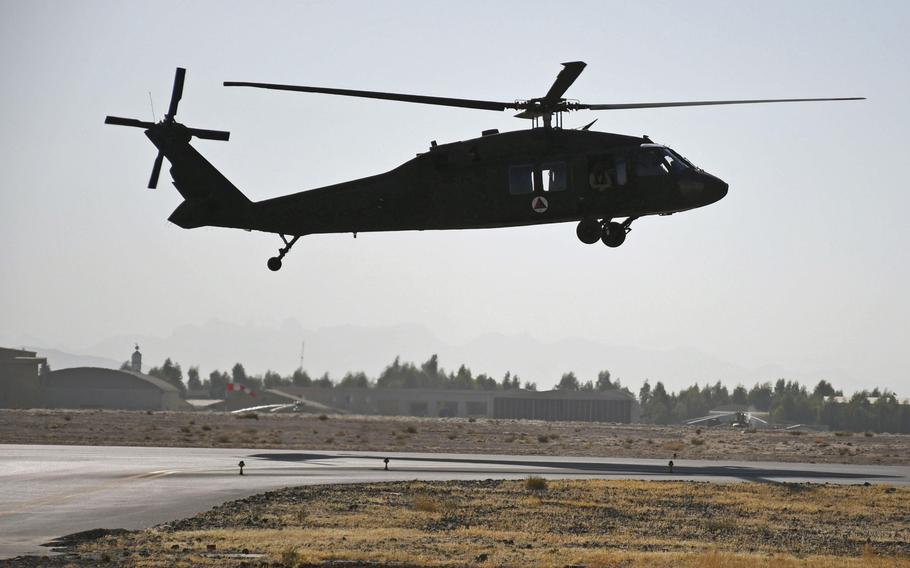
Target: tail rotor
column 169, row 121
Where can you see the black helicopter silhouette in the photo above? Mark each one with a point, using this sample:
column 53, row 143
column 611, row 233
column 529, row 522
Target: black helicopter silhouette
column 546, row 174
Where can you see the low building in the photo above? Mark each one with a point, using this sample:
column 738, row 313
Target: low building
column 20, row 372
column 576, row 406
column 607, row 406
column 94, row 387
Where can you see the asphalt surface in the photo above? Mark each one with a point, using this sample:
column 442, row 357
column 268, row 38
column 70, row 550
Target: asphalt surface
column 50, row 491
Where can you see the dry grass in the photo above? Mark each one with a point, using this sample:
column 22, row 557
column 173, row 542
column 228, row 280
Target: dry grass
column 454, row 435
column 497, row 523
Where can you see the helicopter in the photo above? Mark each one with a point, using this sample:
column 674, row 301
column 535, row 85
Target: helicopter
column 603, row 182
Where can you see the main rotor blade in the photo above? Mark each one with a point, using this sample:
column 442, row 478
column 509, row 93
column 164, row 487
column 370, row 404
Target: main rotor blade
column 177, row 93
column 443, row 101
column 621, row 106
column 210, row 134
column 127, row 122
column 570, row 72
column 156, row 170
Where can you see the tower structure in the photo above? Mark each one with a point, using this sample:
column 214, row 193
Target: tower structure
column 136, row 360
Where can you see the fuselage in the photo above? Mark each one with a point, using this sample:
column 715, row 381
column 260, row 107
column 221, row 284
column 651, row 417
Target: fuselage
column 527, row 177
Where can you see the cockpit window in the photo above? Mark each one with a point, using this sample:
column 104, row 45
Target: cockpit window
column 658, row 161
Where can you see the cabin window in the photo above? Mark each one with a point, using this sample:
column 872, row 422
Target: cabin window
column 601, row 171
column 621, row 175
column 521, row 179
column 553, row 176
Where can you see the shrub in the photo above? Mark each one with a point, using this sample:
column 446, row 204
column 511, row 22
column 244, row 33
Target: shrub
column 535, row 483
column 290, row 556
column 698, row 441
column 472, row 419
column 452, row 436
column 185, row 429
column 206, row 427
column 426, row 504
column 247, row 416
column 674, row 446
column 869, row 434
column 796, row 432
column 698, row 431
column 543, row 438
column 843, row 434
column 751, row 430
column 411, row 430
column 323, row 417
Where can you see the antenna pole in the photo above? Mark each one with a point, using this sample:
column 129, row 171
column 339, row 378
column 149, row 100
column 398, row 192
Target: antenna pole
column 152, row 104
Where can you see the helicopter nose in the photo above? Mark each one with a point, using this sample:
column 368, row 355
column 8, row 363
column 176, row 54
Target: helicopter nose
column 718, row 189
column 702, row 190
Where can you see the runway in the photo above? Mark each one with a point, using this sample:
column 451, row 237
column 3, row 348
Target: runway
column 50, row 491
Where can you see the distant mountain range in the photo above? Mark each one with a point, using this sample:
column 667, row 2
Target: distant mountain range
column 338, row 349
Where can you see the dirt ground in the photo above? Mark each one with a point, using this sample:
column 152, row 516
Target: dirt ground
column 455, row 435
column 527, row 523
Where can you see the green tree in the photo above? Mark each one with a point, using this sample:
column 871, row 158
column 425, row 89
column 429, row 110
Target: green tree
column 644, row 394
column 238, row 375
column 218, row 384
column 272, row 380
column 760, row 396
column 171, row 373
column 823, row 389
column 659, row 407
column 300, row 378
column 324, row 381
column 740, row 395
column 192, row 379
column 357, row 380
column 568, row 382
column 603, row 381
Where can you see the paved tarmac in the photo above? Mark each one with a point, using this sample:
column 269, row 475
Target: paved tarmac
column 51, row 491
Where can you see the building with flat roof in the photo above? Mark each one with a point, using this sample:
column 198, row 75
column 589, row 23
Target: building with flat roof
column 588, row 406
column 20, row 372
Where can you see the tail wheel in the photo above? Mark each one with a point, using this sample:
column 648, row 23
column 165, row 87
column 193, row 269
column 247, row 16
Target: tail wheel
column 613, row 235
column 588, row 231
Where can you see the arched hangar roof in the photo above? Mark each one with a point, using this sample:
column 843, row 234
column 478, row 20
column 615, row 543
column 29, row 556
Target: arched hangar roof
column 99, row 377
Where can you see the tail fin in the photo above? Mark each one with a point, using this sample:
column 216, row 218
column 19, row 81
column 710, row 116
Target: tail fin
column 209, row 197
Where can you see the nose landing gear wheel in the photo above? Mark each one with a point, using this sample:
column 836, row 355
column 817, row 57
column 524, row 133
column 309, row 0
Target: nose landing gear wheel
column 274, row 264
column 588, row 231
column 614, row 234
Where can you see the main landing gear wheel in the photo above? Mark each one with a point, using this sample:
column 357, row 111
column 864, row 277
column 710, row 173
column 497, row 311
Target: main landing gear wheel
column 614, row 234
column 274, row 263
column 588, row 231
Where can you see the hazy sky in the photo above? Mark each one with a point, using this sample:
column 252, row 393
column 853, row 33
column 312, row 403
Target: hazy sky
column 804, row 264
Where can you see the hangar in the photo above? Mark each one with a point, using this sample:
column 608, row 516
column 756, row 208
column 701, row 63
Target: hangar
column 555, row 405
column 95, row 387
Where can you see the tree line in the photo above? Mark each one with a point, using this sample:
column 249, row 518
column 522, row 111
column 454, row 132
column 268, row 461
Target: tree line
column 876, row 410
column 396, row 375
column 785, row 401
